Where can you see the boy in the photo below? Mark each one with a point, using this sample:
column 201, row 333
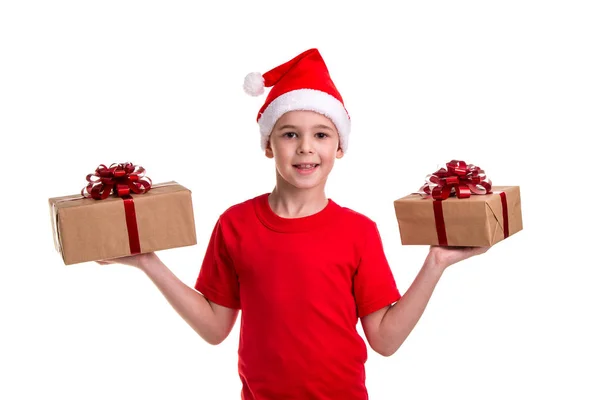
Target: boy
column 301, row 268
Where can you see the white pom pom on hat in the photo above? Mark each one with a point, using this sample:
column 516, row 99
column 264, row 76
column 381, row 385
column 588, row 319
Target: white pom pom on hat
column 302, row 83
column 254, row 84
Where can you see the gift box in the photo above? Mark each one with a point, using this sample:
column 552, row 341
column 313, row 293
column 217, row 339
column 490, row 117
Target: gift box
column 121, row 213
column 458, row 206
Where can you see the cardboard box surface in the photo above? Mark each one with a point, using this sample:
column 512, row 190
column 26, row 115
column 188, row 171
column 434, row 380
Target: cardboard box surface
column 475, row 221
column 90, row 230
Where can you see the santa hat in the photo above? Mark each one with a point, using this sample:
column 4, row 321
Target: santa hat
column 302, row 83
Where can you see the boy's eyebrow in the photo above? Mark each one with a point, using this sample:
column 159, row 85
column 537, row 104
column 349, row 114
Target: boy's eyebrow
column 287, row 127
column 323, row 127
column 320, row 126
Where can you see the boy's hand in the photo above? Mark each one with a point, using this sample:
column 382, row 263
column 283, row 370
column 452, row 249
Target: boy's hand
column 138, row 260
column 445, row 256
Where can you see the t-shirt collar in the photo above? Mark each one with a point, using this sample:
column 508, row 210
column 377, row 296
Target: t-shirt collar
column 301, row 224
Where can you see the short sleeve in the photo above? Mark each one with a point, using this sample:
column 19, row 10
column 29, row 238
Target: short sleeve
column 374, row 283
column 217, row 279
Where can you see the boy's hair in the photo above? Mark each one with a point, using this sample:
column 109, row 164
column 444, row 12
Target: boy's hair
column 302, row 83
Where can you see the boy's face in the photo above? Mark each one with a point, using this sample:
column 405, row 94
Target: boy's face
column 304, row 145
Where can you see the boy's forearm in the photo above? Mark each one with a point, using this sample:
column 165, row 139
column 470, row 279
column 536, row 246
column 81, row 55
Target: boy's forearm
column 192, row 306
column 402, row 317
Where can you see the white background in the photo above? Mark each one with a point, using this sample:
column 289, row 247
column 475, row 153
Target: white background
column 510, row 86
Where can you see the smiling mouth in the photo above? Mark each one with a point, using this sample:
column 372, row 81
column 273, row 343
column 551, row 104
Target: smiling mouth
column 306, row 166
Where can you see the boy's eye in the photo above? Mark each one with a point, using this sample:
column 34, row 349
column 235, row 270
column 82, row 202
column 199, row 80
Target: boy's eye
column 321, row 135
column 289, row 134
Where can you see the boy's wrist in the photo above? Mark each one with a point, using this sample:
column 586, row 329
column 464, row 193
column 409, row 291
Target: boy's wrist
column 148, row 261
column 435, row 262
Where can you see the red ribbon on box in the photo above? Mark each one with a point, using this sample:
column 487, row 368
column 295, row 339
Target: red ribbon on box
column 461, row 180
column 121, row 180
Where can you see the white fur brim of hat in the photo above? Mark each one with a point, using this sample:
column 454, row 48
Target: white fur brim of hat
column 307, row 100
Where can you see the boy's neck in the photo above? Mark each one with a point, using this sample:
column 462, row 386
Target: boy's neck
column 297, row 203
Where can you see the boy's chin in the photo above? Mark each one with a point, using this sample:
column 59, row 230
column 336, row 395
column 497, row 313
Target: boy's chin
column 304, row 184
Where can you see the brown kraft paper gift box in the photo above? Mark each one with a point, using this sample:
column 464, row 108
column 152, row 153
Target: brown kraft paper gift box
column 86, row 229
column 476, row 220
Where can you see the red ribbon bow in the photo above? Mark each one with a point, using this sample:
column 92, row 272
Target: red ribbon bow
column 457, row 178
column 121, row 179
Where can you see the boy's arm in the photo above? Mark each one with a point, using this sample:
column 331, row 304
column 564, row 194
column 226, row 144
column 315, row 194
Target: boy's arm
column 387, row 328
column 211, row 321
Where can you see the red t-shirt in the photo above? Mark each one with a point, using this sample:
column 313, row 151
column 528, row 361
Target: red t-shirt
column 301, row 285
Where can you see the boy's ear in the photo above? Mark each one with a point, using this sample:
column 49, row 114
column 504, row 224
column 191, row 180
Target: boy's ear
column 339, row 153
column 269, row 150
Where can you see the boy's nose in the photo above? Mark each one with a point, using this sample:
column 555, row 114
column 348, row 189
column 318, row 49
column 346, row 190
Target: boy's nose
column 305, row 146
